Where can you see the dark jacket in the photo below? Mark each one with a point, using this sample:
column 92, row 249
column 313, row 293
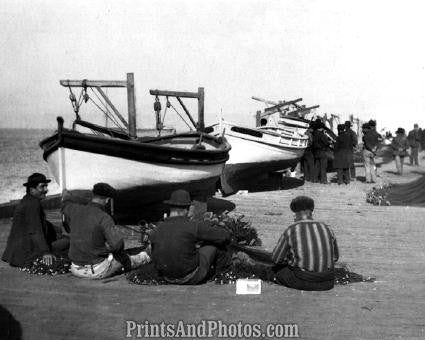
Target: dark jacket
column 93, row 232
column 174, row 243
column 399, row 145
column 343, row 151
column 320, row 144
column 414, row 138
column 371, row 140
column 31, row 234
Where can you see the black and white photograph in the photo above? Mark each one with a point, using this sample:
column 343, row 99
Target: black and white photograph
column 212, row 169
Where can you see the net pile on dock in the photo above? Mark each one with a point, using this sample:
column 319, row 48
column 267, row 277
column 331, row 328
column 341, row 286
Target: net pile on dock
column 379, row 195
column 60, row 265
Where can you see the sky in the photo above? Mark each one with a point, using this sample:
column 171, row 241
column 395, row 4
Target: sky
column 365, row 58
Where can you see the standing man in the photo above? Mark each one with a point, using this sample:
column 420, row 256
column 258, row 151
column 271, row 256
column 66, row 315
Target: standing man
column 354, row 141
column 31, row 235
column 97, row 248
column 320, row 146
column 174, row 244
column 343, row 154
column 370, row 146
column 414, row 138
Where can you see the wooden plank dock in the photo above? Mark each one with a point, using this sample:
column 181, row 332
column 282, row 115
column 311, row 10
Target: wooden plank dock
column 384, row 242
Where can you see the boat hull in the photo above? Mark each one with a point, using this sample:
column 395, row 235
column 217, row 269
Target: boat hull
column 254, row 154
column 143, row 172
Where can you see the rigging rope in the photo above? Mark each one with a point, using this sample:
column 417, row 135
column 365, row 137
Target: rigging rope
column 172, row 106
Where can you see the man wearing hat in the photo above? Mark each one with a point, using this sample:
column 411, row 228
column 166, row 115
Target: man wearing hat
column 399, row 146
column 371, row 140
column 31, row 235
column 97, row 248
column 414, row 138
column 306, row 251
column 354, row 142
column 320, row 146
column 175, row 241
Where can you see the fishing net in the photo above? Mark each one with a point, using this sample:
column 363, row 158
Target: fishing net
column 60, row 265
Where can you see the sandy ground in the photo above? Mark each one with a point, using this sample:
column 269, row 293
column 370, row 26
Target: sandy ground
column 384, row 242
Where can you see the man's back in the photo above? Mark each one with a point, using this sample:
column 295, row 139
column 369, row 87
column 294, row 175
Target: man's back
column 91, row 228
column 308, row 245
column 174, row 244
column 371, row 140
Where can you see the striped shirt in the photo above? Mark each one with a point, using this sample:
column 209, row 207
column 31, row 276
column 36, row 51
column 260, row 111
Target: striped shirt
column 309, row 245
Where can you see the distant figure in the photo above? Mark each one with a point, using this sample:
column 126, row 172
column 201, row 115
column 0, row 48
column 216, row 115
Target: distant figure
column 308, row 157
column 354, row 141
column 343, row 154
column 320, row 147
column 31, row 235
column 97, row 248
column 371, row 140
column 414, row 138
column 175, row 253
column 307, row 250
column 399, row 145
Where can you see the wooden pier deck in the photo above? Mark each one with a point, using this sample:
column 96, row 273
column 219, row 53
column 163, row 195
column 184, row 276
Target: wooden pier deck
column 384, row 242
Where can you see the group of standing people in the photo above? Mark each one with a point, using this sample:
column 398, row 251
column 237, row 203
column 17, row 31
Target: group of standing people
column 401, row 144
column 318, row 152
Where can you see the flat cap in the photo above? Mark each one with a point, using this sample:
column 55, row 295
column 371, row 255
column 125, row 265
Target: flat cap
column 104, row 190
column 301, row 203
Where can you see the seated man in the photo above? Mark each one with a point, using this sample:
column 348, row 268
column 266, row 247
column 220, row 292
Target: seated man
column 306, row 251
column 31, row 235
column 97, row 249
column 174, row 244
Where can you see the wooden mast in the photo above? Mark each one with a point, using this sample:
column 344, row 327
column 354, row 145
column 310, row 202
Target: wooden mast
column 131, row 106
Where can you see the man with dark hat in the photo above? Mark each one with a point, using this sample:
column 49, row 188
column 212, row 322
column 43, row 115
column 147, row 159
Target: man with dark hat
column 174, row 243
column 414, row 138
column 354, row 143
column 371, row 141
column 306, row 251
column 31, row 235
column 320, row 146
column 97, row 248
column 343, row 154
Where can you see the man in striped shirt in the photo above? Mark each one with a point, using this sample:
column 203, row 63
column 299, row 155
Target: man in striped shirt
column 306, row 251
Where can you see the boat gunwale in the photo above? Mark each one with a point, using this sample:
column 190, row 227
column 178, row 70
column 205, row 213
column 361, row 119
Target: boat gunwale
column 146, row 150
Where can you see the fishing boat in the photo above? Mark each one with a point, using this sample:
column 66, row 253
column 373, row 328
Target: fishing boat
column 143, row 169
column 255, row 152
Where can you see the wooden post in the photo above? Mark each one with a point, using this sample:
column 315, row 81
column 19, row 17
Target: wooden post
column 131, row 106
column 257, row 118
column 201, row 96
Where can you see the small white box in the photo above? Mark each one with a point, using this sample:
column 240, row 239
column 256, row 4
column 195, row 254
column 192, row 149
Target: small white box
column 248, row 286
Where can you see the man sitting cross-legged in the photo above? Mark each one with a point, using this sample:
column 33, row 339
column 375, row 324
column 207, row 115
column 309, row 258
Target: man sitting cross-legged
column 174, row 244
column 97, row 249
column 305, row 254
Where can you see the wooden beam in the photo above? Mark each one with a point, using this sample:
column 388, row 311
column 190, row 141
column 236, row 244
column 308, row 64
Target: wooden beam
column 201, row 96
column 93, row 83
column 105, row 97
column 265, row 101
column 174, row 94
column 278, row 106
column 131, row 106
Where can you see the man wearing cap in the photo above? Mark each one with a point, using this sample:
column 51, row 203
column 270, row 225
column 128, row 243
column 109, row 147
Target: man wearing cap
column 414, row 138
column 175, row 241
column 97, row 248
column 354, row 142
column 371, row 140
column 31, row 235
column 306, row 251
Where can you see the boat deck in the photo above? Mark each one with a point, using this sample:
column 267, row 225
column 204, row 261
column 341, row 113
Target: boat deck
column 384, row 242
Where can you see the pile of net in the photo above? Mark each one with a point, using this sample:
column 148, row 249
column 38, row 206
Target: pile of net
column 60, row 265
column 409, row 194
column 379, row 195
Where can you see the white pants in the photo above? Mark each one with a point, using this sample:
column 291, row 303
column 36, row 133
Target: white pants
column 101, row 270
